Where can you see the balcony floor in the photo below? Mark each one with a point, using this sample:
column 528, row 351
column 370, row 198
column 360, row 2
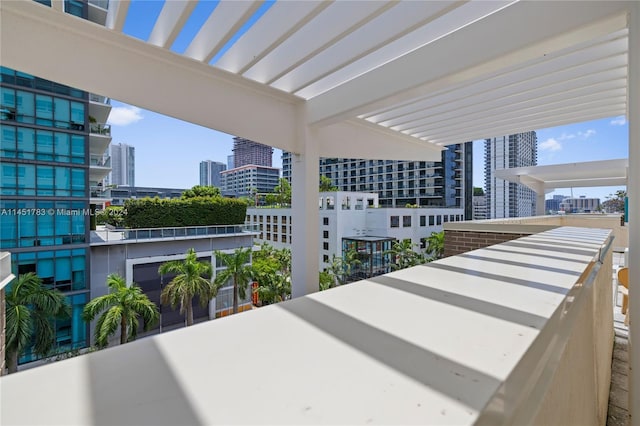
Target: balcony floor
column 618, row 414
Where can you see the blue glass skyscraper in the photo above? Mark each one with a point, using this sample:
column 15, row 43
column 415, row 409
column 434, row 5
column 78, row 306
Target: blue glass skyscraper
column 52, row 163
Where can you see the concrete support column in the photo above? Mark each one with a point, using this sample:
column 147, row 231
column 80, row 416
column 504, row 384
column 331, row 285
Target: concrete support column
column 540, row 198
column 305, row 232
column 633, row 192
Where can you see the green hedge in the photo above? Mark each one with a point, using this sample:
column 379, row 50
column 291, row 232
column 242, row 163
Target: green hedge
column 199, row 211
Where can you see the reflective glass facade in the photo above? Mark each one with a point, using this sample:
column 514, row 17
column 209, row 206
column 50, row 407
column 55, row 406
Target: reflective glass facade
column 44, row 195
column 373, row 255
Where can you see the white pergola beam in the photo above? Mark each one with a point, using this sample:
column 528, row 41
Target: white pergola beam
column 358, row 138
column 554, row 101
column 480, row 119
column 585, row 174
column 91, row 57
column 117, row 14
column 587, row 183
column 280, row 22
column 433, row 67
column 614, row 69
column 170, row 22
column 607, row 55
column 225, row 20
column 518, row 126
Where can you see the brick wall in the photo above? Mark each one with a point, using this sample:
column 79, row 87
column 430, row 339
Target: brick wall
column 457, row 242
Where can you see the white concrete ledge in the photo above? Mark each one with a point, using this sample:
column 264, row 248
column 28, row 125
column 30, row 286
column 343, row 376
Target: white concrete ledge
column 471, row 339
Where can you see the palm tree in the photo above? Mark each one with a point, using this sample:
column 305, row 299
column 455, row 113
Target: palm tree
column 337, row 270
column 272, row 286
column 237, row 270
column 342, row 268
column 190, row 281
column 435, row 244
column 30, row 307
column 123, row 306
column 403, row 255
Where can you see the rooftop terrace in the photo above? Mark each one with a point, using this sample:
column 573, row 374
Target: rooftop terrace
column 487, row 338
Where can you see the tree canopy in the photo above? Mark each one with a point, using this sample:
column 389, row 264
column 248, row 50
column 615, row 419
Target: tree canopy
column 478, row 191
column 281, row 193
column 201, row 191
column 615, row 202
column 326, row 184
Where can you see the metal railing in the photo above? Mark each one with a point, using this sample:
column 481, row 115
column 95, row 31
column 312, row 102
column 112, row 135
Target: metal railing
column 143, row 234
column 100, row 192
column 99, row 98
column 100, row 161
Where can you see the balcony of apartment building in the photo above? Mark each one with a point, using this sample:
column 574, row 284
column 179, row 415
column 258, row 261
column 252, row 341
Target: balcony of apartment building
column 520, row 332
column 99, row 108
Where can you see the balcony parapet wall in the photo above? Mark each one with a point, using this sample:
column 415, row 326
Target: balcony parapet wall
column 461, row 237
column 516, row 333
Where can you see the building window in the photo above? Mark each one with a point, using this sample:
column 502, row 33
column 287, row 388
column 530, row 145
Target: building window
column 325, row 234
column 325, row 246
column 325, row 258
column 423, row 221
column 395, row 221
column 431, row 220
column 325, row 220
column 445, row 218
column 406, row 221
column 439, row 220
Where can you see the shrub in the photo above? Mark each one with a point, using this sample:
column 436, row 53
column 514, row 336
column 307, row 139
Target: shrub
column 197, row 211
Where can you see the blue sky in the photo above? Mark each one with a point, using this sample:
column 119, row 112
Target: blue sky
column 168, row 151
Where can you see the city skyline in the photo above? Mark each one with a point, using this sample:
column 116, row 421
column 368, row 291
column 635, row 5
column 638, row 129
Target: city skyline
column 160, row 140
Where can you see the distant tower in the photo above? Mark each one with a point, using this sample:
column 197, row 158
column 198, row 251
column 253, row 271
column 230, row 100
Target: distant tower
column 229, row 161
column 508, row 199
column 210, row 173
column 123, row 167
column 248, row 152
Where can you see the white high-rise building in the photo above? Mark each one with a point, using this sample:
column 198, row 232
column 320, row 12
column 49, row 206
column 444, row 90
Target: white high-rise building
column 123, row 165
column 508, row 199
column 210, row 173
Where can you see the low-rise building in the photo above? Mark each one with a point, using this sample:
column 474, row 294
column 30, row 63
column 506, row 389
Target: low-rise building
column 136, row 255
column 581, row 204
column 354, row 218
column 246, row 180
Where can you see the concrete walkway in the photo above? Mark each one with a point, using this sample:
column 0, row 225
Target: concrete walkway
column 618, row 414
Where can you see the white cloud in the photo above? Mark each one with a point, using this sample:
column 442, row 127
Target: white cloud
column 566, row 136
column 125, row 115
column 550, row 144
column 619, row 121
column 587, row 134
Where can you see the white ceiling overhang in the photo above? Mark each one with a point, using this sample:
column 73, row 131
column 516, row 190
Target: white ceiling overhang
column 570, row 175
column 422, row 74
